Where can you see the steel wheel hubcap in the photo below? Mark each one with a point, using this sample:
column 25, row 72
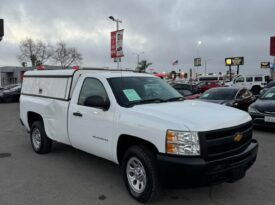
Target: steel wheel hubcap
column 36, row 138
column 136, row 175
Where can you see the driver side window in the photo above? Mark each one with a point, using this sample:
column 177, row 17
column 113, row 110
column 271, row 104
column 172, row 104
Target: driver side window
column 91, row 87
column 240, row 80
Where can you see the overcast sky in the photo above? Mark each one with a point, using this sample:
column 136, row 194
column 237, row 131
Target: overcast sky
column 165, row 30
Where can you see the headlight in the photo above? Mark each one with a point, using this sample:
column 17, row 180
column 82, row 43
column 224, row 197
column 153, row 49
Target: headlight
column 252, row 110
column 182, row 143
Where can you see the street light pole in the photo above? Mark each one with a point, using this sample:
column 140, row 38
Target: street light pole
column 198, row 45
column 198, row 57
column 138, row 54
column 205, row 65
column 117, row 28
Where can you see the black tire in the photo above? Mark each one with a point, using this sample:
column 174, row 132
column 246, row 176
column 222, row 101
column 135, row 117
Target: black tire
column 45, row 144
column 148, row 160
column 256, row 90
column 7, row 100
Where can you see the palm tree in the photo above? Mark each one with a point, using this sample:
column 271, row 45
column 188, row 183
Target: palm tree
column 142, row 66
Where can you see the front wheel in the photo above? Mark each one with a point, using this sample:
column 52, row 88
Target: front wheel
column 40, row 142
column 140, row 173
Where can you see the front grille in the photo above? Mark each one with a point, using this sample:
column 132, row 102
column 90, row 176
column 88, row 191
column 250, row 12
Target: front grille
column 219, row 144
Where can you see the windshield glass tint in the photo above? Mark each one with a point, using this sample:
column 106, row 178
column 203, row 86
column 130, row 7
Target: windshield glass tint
column 131, row 91
column 219, row 94
column 269, row 95
column 271, row 84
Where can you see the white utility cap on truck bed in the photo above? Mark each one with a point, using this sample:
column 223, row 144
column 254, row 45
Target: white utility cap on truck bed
column 55, row 84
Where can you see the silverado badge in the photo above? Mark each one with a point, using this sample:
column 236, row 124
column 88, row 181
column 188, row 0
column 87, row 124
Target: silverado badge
column 238, row 137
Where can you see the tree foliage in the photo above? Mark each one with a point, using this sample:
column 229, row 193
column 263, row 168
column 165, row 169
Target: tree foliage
column 142, row 66
column 36, row 52
column 66, row 56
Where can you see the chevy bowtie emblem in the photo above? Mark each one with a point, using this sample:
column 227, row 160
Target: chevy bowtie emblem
column 238, row 137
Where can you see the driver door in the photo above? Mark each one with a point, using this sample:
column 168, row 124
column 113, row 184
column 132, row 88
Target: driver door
column 239, row 82
column 90, row 128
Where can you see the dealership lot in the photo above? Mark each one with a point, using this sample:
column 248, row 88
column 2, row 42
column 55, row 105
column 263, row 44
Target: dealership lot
column 69, row 176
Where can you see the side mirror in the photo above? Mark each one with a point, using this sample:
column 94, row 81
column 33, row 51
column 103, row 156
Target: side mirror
column 261, row 92
column 97, row 102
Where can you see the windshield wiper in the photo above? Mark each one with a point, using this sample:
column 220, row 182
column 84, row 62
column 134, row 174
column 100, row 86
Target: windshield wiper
column 175, row 99
column 157, row 100
column 145, row 101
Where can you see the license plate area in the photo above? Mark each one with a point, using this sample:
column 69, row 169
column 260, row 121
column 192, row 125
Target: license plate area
column 269, row 119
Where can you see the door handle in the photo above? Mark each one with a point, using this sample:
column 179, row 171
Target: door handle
column 78, row 114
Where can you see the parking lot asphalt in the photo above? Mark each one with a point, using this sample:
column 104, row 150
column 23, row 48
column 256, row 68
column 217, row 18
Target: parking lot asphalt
column 69, row 176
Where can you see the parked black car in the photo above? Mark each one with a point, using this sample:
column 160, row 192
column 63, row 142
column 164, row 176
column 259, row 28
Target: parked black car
column 269, row 85
column 10, row 95
column 184, row 87
column 263, row 110
column 239, row 98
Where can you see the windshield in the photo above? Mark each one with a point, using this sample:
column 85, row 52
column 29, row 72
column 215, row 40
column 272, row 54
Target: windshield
column 200, row 84
column 269, row 95
column 130, row 91
column 219, row 94
column 271, row 84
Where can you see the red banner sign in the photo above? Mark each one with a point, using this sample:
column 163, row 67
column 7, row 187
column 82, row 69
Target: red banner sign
column 272, row 46
column 113, row 44
column 117, row 44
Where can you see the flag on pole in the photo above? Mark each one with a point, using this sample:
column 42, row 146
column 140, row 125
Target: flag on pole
column 176, row 62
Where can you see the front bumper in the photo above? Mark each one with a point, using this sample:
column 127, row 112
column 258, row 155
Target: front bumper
column 258, row 120
column 197, row 170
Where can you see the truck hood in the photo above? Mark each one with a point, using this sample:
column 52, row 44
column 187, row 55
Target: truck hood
column 190, row 115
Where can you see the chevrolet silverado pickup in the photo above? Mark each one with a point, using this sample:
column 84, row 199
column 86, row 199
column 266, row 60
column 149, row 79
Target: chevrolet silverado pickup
column 139, row 122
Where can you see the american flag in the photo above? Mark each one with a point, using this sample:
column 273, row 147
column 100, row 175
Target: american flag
column 176, row 62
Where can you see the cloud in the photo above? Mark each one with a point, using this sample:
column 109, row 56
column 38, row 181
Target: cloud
column 164, row 30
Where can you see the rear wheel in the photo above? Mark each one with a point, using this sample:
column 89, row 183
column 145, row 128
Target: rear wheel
column 140, row 173
column 40, row 142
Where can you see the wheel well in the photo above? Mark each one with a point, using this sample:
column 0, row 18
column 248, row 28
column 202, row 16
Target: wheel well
column 256, row 89
column 126, row 141
column 255, row 86
column 32, row 117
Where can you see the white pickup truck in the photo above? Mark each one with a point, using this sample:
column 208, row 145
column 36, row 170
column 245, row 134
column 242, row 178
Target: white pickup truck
column 139, row 122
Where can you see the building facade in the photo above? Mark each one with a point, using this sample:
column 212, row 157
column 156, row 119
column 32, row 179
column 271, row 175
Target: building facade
column 12, row 75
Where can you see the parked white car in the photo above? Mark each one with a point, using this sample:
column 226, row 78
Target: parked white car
column 139, row 122
column 251, row 82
